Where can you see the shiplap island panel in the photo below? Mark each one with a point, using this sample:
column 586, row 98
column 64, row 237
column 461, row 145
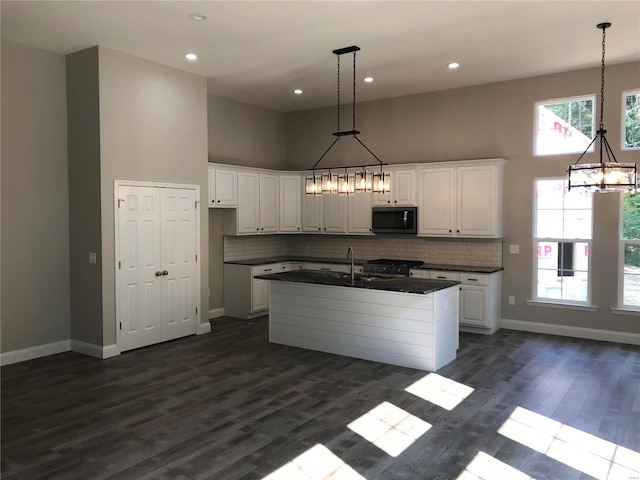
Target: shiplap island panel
column 407, row 329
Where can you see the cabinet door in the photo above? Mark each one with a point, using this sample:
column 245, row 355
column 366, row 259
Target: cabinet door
column 436, row 194
column 403, row 187
column 476, row 201
column 212, row 186
column 259, row 295
column 335, row 214
column 473, row 305
column 360, row 212
column 247, row 213
column 269, row 204
column 290, row 203
column 312, row 213
column 225, row 188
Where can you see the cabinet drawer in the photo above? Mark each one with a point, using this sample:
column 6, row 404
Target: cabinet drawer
column 419, row 273
column 443, row 275
column 328, row 267
column 267, row 269
column 474, row 279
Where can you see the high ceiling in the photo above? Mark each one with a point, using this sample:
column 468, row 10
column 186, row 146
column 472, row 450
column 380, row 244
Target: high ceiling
column 259, row 51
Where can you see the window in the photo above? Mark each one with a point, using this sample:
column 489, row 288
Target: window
column 631, row 120
column 630, row 251
column 564, row 125
column 562, row 231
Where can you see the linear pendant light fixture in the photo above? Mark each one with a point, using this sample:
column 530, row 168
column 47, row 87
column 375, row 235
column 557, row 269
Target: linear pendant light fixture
column 604, row 176
column 360, row 178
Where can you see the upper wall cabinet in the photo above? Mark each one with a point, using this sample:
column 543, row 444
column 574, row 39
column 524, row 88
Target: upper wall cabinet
column 403, row 189
column 257, row 210
column 290, row 203
column 222, row 187
column 461, row 199
column 324, row 214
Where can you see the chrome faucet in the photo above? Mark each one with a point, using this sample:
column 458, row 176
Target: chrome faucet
column 350, row 254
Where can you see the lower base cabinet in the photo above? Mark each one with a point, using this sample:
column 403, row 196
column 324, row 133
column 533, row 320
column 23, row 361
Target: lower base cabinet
column 480, row 307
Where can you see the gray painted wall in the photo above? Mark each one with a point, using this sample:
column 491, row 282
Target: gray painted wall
column 35, row 221
column 83, row 123
column 153, row 127
column 495, row 120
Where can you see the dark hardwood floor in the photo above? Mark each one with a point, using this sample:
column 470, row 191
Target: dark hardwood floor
column 229, row 405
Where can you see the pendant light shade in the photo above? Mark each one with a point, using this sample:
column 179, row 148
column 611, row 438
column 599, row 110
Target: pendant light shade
column 608, row 176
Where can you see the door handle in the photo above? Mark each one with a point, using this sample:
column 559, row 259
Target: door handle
column 158, row 273
column 164, row 272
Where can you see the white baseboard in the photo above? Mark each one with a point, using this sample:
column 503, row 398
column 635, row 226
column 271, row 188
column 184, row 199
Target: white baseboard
column 204, row 328
column 568, row 331
column 31, row 353
column 216, row 312
column 94, row 350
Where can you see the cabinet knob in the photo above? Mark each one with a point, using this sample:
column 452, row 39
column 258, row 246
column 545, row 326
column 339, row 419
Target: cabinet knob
column 450, row 230
column 458, row 231
column 218, row 201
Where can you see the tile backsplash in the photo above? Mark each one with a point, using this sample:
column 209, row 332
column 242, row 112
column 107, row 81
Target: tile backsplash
column 454, row 251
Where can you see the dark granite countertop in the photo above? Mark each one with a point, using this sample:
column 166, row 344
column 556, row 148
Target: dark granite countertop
column 286, row 258
column 392, row 284
column 459, row 268
column 427, row 266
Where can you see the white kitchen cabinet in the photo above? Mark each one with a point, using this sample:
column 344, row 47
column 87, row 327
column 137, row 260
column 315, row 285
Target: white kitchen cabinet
column 222, row 187
column 269, row 203
column 324, row 214
column 290, row 204
column 359, row 213
column 480, row 306
column 244, row 295
column 258, row 205
column 462, row 199
column 403, row 189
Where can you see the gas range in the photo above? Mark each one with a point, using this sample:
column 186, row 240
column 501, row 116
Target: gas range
column 385, row 266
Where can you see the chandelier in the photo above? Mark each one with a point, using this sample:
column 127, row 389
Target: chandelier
column 608, row 176
column 356, row 178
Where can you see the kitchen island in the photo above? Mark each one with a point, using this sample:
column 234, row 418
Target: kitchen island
column 396, row 320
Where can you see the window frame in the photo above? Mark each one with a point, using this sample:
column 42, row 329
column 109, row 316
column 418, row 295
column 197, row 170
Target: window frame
column 577, row 98
column 536, row 299
column 622, row 242
column 623, row 116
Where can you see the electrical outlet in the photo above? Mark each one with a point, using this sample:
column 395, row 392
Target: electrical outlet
column 512, row 300
column 92, row 257
column 514, row 249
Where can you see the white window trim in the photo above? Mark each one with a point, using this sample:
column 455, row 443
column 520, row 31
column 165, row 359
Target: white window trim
column 550, row 302
column 623, row 114
column 577, row 98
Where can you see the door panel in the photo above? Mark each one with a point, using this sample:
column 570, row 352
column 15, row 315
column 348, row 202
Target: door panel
column 179, row 299
column 139, row 232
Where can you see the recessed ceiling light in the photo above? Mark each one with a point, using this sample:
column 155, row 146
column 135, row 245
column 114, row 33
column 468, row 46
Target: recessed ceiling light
column 298, row 91
column 198, row 17
column 191, row 56
column 368, row 79
column 453, row 65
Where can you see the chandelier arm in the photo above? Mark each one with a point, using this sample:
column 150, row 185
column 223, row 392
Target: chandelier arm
column 586, row 149
column 380, row 162
column 325, row 153
column 608, row 149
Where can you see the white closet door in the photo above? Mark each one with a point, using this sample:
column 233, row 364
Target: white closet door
column 179, row 284
column 140, row 268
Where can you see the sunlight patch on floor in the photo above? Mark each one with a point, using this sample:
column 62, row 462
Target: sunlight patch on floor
column 485, row 467
column 389, row 428
column 582, row 451
column 317, row 463
column 442, row 391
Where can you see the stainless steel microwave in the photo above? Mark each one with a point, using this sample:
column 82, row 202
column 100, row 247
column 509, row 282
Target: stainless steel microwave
column 399, row 220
